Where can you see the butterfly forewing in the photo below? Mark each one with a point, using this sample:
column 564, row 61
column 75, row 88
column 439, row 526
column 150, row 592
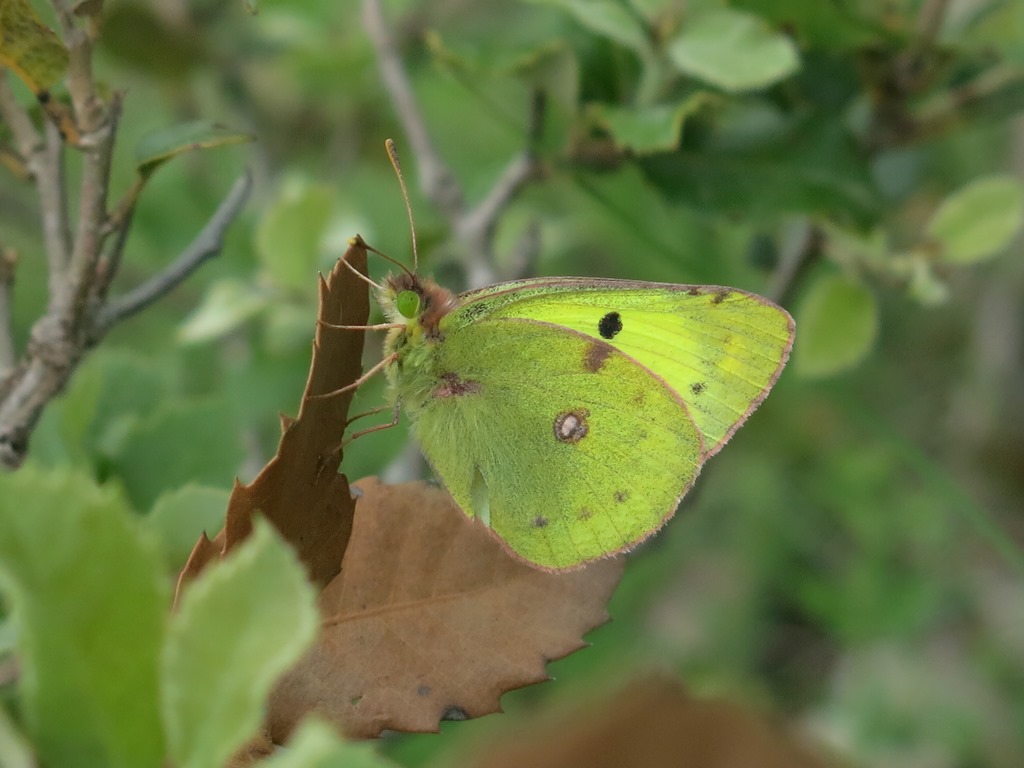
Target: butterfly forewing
column 720, row 349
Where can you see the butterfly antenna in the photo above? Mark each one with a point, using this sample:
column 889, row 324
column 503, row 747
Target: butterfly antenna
column 384, row 256
column 360, row 275
column 393, row 155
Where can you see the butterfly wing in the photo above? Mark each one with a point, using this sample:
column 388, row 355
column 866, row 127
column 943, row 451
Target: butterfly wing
column 560, row 442
column 720, row 349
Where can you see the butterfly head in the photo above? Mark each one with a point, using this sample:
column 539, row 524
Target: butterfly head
column 415, row 301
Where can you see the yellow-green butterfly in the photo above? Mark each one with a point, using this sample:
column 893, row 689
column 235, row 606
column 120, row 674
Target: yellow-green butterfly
column 571, row 415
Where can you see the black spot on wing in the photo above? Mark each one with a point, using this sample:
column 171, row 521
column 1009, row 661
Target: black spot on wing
column 719, row 296
column 610, row 325
column 540, row 521
column 698, row 387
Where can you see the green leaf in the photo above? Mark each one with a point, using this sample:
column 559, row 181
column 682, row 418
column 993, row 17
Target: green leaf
column 15, row 750
column 830, row 26
column 838, row 322
column 227, row 305
column 88, row 596
column 183, row 442
column 159, row 146
column 650, row 129
column 179, row 516
column 287, row 327
column 815, row 168
column 291, row 233
column 733, row 50
column 979, row 220
column 607, row 18
column 315, row 745
column 30, row 48
column 240, row 626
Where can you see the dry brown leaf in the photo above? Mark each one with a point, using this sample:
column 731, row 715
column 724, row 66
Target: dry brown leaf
column 202, row 553
column 254, row 751
column 431, row 619
column 651, row 723
column 300, row 490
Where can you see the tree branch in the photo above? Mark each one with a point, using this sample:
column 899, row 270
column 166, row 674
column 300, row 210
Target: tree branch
column 53, row 203
column 25, row 135
column 801, row 249
column 8, row 356
column 44, row 158
column 88, row 106
column 79, row 313
column 436, row 179
column 929, row 20
column 206, row 245
column 98, row 147
column 55, row 349
column 474, row 228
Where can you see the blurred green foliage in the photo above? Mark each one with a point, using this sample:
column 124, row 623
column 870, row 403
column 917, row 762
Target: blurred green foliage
column 853, row 558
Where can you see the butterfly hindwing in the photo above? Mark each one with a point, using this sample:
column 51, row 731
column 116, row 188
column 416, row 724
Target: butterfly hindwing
column 562, row 443
column 720, row 349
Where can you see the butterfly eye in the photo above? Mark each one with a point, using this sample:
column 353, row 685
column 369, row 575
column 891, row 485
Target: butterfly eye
column 408, row 304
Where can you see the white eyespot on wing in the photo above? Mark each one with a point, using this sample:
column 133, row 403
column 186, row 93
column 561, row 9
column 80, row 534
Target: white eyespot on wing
column 571, row 426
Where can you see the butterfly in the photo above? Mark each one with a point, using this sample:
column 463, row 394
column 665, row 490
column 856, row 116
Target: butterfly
column 570, row 415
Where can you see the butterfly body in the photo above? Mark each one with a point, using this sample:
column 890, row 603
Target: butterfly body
column 571, row 415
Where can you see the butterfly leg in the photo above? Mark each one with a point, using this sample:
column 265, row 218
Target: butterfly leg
column 379, row 427
column 384, row 363
column 378, row 327
column 371, row 412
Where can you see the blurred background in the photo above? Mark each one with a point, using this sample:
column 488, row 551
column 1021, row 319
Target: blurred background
column 851, row 564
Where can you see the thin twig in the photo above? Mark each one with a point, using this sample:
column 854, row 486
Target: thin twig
column 110, row 261
column 44, row 158
column 53, row 202
column 55, row 349
column 206, row 245
column 930, row 19
column 92, row 214
column 436, row 179
column 90, row 115
column 799, row 252
column 941, row 113
column 16, row 117
column 8, row 356
column 78, row 313
column 526, row 252
column 474, row 228
column 517, row 174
